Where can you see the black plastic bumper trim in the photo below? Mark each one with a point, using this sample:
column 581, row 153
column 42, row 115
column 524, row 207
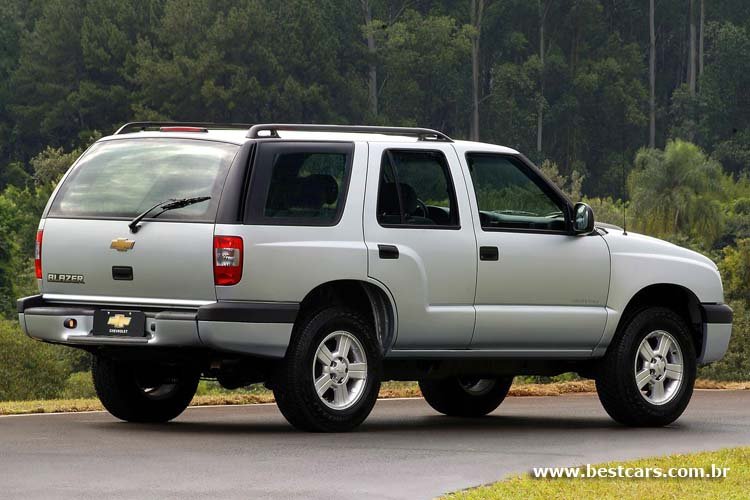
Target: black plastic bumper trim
column 58, row 311
column 29, row 302
column 249, row 312
column 717, row 313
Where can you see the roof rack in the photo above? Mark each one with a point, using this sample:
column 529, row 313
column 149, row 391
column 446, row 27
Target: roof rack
column 142, row 126
column 272, row 129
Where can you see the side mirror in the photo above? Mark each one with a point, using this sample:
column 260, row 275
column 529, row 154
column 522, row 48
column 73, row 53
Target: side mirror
column 583, row 219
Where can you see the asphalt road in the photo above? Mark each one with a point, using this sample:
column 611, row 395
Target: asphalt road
column 404, row 450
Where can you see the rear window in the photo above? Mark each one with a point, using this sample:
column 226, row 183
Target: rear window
column 122, row 178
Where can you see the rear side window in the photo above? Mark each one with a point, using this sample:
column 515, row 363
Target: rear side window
column 122, row 178
column 299, row 184
column 416, row 191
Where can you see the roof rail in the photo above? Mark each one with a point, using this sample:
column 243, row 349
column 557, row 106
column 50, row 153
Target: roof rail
column 141, row 126
column 423, row 134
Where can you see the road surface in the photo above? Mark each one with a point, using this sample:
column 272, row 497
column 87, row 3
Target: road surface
column 404, row 450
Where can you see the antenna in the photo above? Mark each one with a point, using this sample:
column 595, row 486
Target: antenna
column 624, row 206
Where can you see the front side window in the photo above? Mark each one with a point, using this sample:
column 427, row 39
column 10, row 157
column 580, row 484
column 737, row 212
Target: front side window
column 122, row 178
column 299, row 185
column 416, row 190
column 511, row 196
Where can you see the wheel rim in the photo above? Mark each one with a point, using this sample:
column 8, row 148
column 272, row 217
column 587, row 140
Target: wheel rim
column 340, row 370
column 476, row 387
column 658, row 367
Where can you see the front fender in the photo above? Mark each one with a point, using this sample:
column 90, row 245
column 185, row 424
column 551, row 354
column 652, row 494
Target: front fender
column 639, row 261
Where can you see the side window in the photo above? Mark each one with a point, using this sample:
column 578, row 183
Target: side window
column 299, row 184
column 416, row 190
column 510, row 195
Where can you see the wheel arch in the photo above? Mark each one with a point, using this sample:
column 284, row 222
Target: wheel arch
column 367, row 297
column 680, row 299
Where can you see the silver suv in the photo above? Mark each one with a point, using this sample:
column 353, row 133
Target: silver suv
column 322, row 259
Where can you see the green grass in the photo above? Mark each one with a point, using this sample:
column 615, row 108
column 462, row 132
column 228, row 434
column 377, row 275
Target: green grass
column 735, row 486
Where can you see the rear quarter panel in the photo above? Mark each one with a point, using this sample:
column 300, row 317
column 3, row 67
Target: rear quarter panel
column 284, row 263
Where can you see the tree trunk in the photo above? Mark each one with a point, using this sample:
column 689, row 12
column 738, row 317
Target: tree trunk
column 477, row 8
column 691, row 61
column 652, row 77
column 700, row 40
column 543, row 6
column 372, row 80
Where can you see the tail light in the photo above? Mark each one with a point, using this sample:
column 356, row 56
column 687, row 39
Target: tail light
column 38, row 255
column 227, row 260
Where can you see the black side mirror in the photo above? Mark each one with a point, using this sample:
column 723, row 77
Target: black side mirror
column 583, row 219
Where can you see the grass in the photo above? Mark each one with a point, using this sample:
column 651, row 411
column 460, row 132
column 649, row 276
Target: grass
column 734, row 486
column 209, row 393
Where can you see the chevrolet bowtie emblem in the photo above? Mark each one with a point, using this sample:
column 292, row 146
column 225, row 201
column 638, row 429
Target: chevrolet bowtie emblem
column 119, row 321
column 122, row 244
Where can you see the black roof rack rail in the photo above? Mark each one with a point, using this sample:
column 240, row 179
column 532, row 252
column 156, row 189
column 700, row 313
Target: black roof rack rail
column 423, row 134
column 141, row 126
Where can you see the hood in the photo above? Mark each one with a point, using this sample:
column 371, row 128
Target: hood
column 634, row 243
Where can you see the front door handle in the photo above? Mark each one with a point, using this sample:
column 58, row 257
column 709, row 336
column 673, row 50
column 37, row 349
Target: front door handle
column 388, row 251
column 489, row 253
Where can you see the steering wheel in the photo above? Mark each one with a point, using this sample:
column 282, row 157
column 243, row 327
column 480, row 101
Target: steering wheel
column 423, row 208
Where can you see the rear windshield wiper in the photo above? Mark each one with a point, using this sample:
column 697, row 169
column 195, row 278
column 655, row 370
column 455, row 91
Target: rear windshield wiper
column 170, row 204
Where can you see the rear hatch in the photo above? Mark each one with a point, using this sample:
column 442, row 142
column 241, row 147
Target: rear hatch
column 89, row 253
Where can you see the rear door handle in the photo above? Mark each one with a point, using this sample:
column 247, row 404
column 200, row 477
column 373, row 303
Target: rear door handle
column 388, row 251
column 489, row 253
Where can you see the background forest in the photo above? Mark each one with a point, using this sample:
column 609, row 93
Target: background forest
column 636, row 105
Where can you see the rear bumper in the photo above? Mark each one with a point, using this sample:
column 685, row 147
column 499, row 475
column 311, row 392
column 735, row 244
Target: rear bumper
column 717, row 330
column 262, row 329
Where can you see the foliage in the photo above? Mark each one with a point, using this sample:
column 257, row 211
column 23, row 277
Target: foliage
column 79, row 385
column 609, row 211
column 677, row 190
column 28, row 369
column 570, row 185
column 70, row 67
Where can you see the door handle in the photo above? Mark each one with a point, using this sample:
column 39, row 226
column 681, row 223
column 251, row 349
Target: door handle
column 388, row 251
column 489, row 253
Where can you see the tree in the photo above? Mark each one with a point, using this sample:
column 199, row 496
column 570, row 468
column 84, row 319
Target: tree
column 372, row 81
column 544, row 6
column 425, row 62
column 692, row 72
column 701, row 39
column 477, row 12
column 652, row 77
column 677, row 190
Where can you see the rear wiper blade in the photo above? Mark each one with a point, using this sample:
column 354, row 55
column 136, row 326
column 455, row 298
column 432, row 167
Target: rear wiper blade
column 170, row 204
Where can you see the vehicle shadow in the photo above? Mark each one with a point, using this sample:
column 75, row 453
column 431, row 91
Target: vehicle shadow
column 393, row 425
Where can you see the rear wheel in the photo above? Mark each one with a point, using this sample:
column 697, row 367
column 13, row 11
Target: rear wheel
column 465, row 396
column 138, row 392
column 330, row 377
column 646, row 378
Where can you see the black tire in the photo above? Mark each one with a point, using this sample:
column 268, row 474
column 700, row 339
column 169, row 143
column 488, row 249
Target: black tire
column 120, row 387
column 616, row 378
column 462, row 396
column 294, row 385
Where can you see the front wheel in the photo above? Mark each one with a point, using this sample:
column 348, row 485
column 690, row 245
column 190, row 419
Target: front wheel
column 646, row 378
column 465, row 396
column 330, row 377
column 141, row 392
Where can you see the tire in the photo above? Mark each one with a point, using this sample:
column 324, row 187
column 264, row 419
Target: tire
column 136, row 392
column 623, row 368
column 464, row 396
column 336, row 409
